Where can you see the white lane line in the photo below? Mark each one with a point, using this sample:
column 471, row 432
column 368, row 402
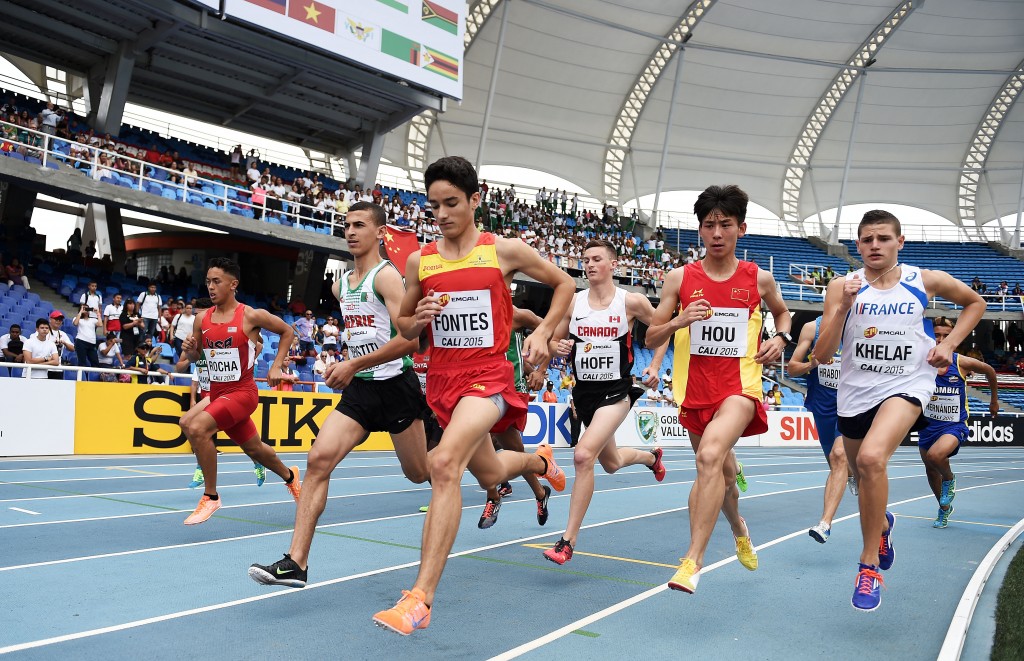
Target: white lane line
column 18, row 509
column 759, row 481
column 643, row 596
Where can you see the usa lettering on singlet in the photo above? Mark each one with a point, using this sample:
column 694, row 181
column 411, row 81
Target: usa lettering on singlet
column 602, row 345
column 230, row 354
column 886, row 340
column 949, row 402
column 368, row 325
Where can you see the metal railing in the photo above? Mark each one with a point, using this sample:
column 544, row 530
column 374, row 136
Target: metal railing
column 27, row 370
column 102, row 165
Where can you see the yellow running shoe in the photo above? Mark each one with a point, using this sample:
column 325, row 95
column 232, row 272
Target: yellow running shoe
column 686, row 577
column 203, row 511
column 409, row 614
column 745, row 552
column 554, row 475
column 295, row 487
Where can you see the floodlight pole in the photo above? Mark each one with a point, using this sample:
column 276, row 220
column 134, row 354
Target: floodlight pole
column 494, row 84
column 834, row 239
column 668, row 128
column 1020, row 210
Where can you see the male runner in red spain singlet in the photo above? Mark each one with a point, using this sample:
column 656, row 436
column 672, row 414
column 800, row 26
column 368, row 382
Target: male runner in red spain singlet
column 458, row 289
column 227, row 335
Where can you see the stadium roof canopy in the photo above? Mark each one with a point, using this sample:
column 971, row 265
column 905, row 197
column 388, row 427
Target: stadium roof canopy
column 184, row 60
column 767, row 96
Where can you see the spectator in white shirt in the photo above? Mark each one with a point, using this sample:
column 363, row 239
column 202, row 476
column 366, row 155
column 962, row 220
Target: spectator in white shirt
column 110, row 356
column 181, row 326
column 92, row 299
column 331, row 331
column 60, row 339
column 253, row 173
column 149, row 307
column 40, row 350
column 112, row 314
column 85, row 341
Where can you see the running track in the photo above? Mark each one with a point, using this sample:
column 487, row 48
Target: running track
column 97, row 564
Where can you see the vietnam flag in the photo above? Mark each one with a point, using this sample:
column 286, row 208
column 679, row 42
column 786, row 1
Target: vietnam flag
column 399, row 243
column 313, row 13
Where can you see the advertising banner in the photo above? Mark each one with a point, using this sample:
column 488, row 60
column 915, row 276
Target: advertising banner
column 988, row 432
column 121, row 418
column 420, row 41
column 38, row 418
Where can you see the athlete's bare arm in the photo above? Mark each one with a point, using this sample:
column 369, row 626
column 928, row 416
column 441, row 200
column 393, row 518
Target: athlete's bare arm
column 191, row 345
column 940, row 283
column 839, row 297
column 257, row 319
column 663, row 324
column 560, row 344
column 771, row 350
column 638, row 307
column 968, row 365
column 523, row 318
column 796, row 365
column 514, row 255
column 388, row 284
column 417, row 310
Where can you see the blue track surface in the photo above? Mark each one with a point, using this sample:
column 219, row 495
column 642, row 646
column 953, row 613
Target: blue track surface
column 101, row 567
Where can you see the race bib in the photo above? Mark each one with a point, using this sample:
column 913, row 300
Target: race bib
column 466, row 322
column 723, row 335
column 886, row 350
column 597, row 361
column 944, row 407
column 223, row 365
column 203, row 374
column 828, row 376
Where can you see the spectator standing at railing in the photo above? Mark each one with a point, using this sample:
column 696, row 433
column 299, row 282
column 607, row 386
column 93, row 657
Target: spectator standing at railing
column 305, row 328
column 149, row 309
column 142, row 362
column 181, row 328
column 252, row 174
column 259, row 196
column 236, row 161
column 85, row 340
column 61, row 339
column 15, row 274
column 276, row 193
column 49, row 118
column 39, row 349
column 132, row 327
column 13, row 347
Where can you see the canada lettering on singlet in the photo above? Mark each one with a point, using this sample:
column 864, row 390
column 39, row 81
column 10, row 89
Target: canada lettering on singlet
column 465, row 320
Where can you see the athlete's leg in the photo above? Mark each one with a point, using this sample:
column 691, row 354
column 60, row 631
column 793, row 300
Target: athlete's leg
column 707, row 495
column 892, row 423
column 731, row 501
column 512, row 439
column 411, row 450
column 931, row 471
column 836, row 481
column 337, row 437
column 937, row 457
column 200, row 429
column 470, row 422
column 264, row 455
column 592, row 444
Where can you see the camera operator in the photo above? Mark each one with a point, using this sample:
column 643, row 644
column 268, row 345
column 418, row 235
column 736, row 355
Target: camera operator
column 85, row 342
column 110, row 357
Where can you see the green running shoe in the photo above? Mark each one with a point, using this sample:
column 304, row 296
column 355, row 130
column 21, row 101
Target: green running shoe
column 261, row 474
column 741, row 479
column 197, row 478
column 942, row 520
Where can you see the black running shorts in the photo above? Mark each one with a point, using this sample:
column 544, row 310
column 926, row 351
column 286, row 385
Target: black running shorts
column 389, row 405
column 856, row 427
column 592, row 395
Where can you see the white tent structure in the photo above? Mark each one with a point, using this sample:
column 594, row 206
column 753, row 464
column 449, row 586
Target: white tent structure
column 807, row 104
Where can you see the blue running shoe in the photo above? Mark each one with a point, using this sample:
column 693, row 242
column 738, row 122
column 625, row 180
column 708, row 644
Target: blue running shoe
column 886, row 553
column 942, row 520
column 948, row 492
column 197, row 478
column 261, row 474
column 867, row 593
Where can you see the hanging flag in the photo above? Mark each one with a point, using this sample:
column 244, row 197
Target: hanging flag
column 440, row 17
column 395, row 4
column 439, row 63
column 313, row 13
column 272, row 5
column 396, row 45
column 399, row 243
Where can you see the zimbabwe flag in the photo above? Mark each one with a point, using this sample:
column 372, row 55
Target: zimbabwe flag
column 440, row 17
column 440, row 63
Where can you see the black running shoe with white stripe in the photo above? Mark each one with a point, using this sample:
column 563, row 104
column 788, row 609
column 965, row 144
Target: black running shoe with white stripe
column 283, row 572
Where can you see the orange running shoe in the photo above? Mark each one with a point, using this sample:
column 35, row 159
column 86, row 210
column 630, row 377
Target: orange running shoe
column 554, row 475
column 295, row 487
column 204, row 510
column 408, row 614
